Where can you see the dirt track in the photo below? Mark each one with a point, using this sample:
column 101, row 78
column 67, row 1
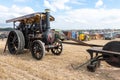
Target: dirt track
column 24, row 67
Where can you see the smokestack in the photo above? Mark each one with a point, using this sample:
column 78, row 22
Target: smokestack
column 47, row 18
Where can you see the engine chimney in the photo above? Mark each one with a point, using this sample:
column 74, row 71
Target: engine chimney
column 47, row 18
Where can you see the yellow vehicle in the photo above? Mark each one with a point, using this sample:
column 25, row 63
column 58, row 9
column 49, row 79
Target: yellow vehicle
column 82, row 37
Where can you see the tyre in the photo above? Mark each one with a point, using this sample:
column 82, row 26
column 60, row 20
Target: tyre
column 38, row 49
column 58, row 49
column 91, row 67
column 112, row 59
column 16, row 42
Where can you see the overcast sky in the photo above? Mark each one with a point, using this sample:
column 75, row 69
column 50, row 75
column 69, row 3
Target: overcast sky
column 69, row 14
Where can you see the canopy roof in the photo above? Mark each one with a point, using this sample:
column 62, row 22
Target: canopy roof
column 33, row 16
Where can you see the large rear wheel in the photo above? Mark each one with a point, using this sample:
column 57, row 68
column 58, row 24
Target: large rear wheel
column 16, row 42
column 38, row 49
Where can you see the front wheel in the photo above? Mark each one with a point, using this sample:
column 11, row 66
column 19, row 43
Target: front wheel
column 38, row 49
column 58, row 49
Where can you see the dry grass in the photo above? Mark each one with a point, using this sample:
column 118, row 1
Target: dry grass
column 23, row 66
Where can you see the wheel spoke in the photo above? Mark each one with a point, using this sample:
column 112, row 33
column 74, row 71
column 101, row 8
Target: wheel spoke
column 14, row 39
column 57, row 51
column 13, row 49
column 11, row 37
column 11, row 43
column 59, row 47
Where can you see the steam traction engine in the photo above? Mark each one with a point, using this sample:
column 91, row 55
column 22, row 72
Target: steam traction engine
column 33, row 32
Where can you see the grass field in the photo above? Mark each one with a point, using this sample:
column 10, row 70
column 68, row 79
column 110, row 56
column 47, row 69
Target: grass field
column 51, row 67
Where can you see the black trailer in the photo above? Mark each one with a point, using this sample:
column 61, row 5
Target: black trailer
column 109, row 52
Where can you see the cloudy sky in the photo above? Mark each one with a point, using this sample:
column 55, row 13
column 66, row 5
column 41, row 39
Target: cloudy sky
column 69, row 14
